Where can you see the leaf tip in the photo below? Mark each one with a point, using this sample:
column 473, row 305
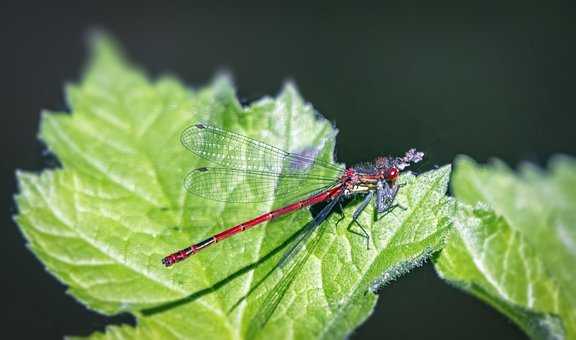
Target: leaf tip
column 222, row 87
column 289, row 91
column 464, row 160
column 223, row 77
column 24, row 180
column 445, row 168
column 104, row 48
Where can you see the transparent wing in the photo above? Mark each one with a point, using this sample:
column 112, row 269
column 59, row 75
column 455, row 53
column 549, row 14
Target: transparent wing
column 232, row 150
column 251, row 186
column 303, row 238
column 292, row 262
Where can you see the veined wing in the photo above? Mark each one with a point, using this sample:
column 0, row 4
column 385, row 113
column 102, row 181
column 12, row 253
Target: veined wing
column 232, row 150
column 292, row 263
column 251, row 186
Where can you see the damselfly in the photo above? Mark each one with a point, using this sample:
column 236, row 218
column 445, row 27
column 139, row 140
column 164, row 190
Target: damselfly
column 252, row 171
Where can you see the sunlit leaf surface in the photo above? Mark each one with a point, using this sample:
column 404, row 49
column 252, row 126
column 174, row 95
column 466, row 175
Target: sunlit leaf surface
column 102, row 223
column 517, row 249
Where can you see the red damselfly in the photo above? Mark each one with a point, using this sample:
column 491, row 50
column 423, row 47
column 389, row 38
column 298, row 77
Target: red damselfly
column 252, row 171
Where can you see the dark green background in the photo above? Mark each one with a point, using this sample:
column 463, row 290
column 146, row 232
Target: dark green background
column 484, row 81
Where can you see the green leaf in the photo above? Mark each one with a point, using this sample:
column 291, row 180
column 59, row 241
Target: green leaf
column 103, row 222
column 517, row 249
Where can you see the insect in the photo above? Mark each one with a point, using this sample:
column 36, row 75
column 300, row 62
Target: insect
column 250, row 171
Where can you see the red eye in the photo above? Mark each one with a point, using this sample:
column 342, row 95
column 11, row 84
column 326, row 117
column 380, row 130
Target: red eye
column 392, row 174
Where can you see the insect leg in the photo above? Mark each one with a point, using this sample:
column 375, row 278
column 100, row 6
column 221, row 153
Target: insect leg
column 386, row 199
column 340, row 211
column 355, row 216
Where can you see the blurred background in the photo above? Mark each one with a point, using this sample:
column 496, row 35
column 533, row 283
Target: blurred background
column 483, row 81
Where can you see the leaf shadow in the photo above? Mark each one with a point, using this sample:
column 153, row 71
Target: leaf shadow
column 289, row 277
column 314, row 210
column 194, row 296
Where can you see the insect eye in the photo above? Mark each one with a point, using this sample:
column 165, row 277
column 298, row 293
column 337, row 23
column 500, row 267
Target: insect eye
column 392, row 173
